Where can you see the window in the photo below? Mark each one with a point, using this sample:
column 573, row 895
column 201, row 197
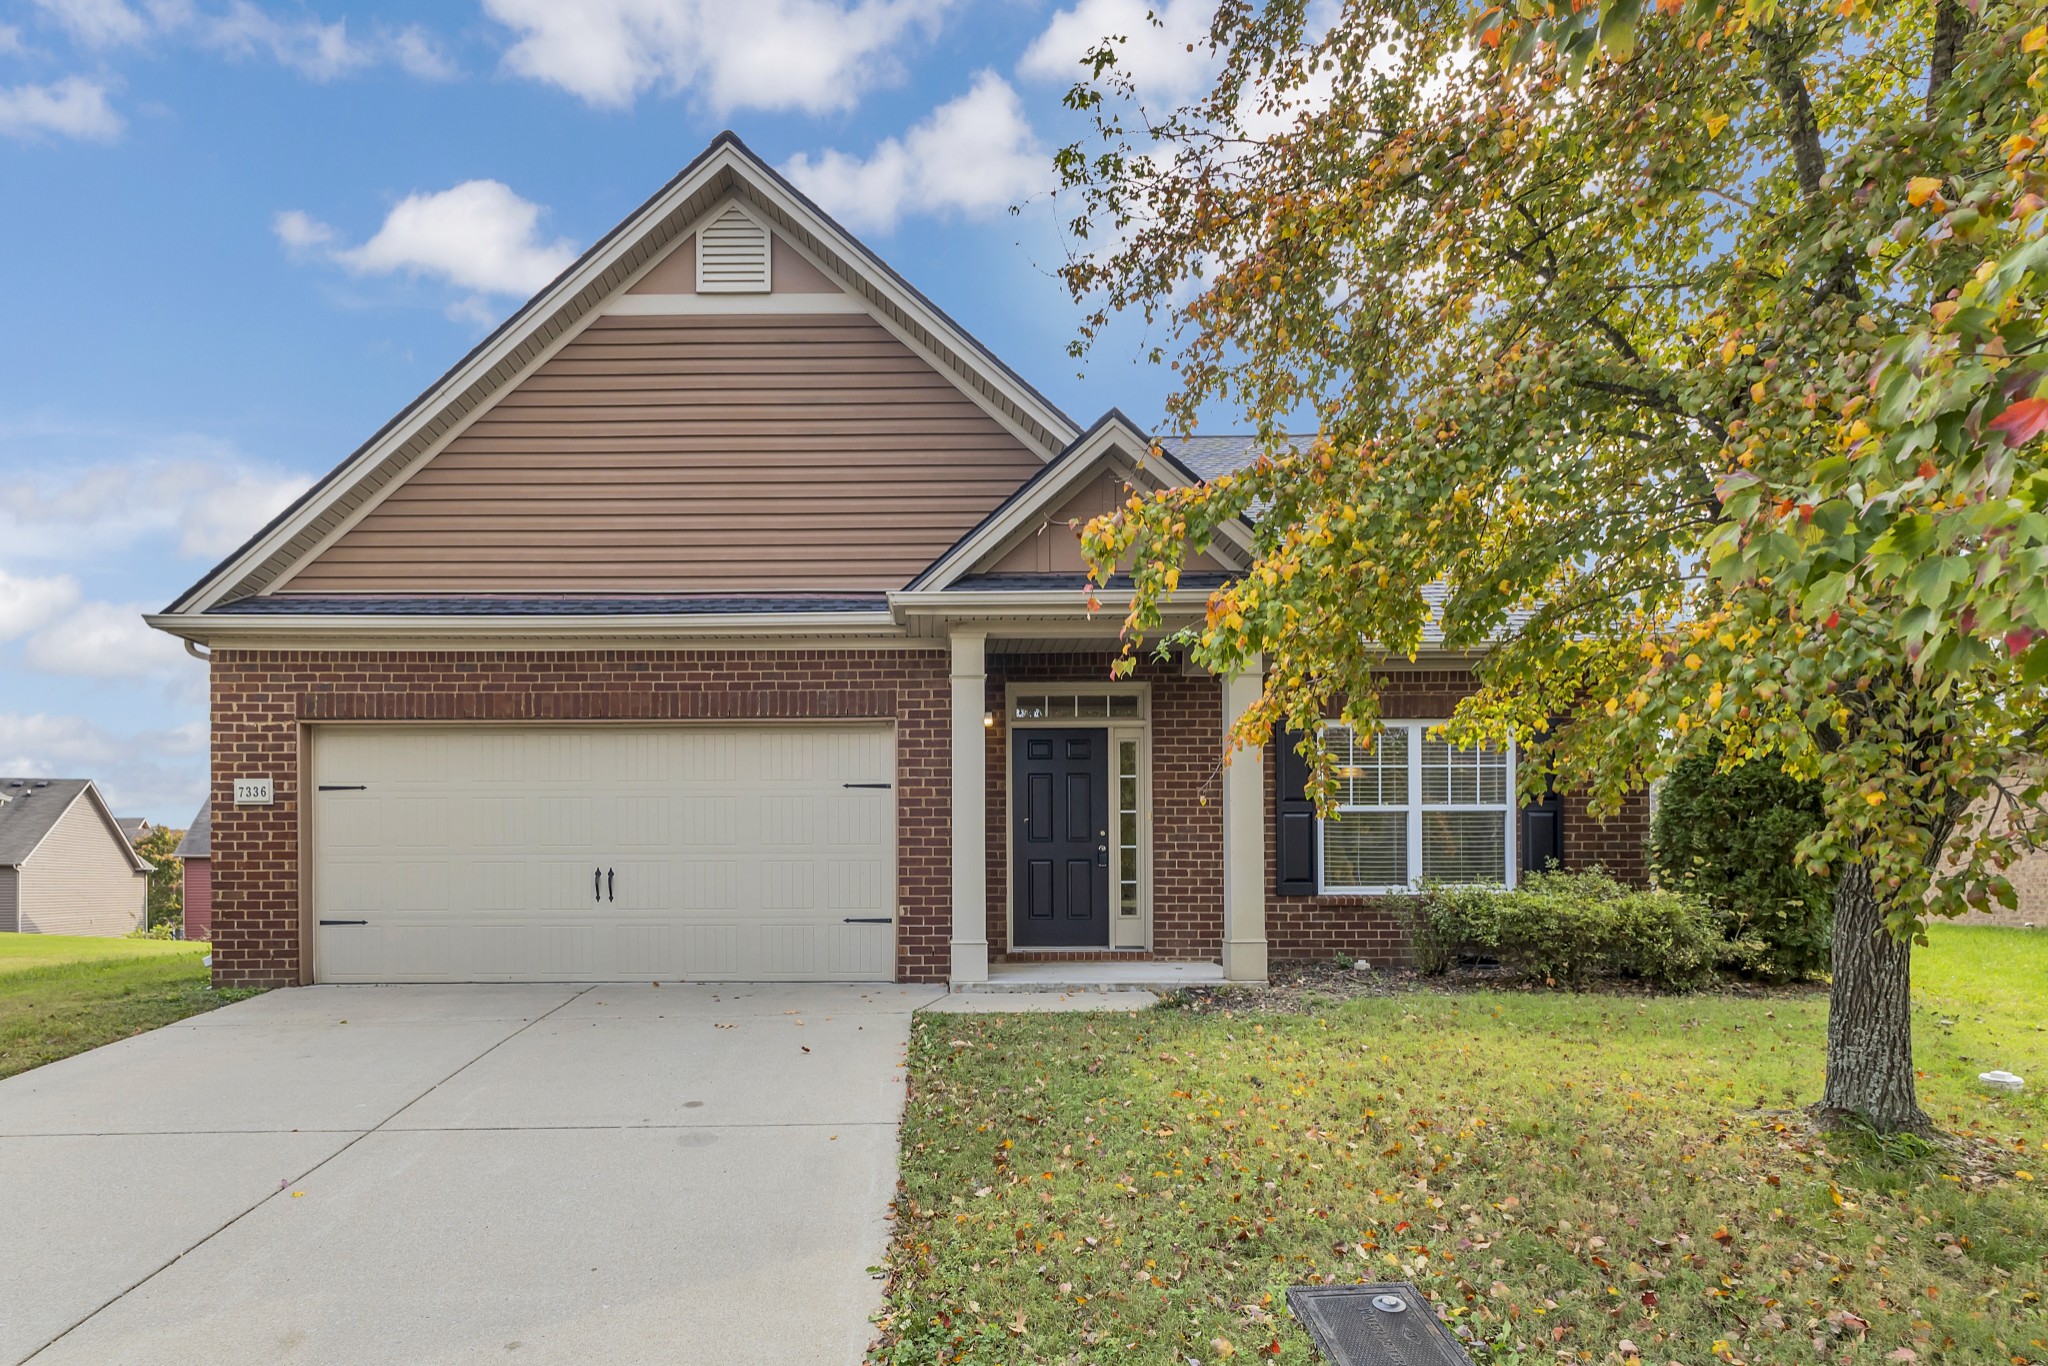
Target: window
column 1076, row 706
column 1127, row 827
column 1411, row 808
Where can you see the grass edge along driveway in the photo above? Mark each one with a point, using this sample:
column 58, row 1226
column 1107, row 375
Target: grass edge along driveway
column 64, row 994
column 1588, row 1178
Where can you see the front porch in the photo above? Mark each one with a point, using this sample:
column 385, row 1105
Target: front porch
column 1098, row 839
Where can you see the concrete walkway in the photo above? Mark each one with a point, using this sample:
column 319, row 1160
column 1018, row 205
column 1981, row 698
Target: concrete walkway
column 453, row 1174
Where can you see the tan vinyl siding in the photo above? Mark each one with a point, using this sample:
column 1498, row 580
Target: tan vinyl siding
column 9, row 880
column 1052, row 546
column 81, row 878
column 721, row 453
column 790, row 273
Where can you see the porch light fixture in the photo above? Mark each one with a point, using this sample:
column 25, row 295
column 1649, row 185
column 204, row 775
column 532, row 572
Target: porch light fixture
column 988, row 720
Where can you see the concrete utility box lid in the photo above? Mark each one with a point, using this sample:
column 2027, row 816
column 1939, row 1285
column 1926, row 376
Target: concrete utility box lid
column 1389, row 1324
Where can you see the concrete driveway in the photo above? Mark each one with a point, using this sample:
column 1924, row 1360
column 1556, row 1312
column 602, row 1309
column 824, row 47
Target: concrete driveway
column 518, row 1174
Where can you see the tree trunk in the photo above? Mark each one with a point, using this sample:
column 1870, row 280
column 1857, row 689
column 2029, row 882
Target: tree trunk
column 1870, row 1014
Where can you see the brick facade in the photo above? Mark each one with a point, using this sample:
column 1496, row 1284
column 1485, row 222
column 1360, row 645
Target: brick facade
column 263, row 700
column 1370, row 927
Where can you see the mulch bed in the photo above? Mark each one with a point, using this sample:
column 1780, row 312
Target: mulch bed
column 1297, row 987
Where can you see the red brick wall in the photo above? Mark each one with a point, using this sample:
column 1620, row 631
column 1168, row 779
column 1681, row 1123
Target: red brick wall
column 1187, row 811
column 198, row 898
column 261, row 700
column 1371, row 928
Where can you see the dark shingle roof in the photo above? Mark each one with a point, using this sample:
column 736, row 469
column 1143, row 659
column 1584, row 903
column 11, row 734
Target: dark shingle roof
column 1209, row 456
column 492, row 605
column 198, row 841
column 136, row 828
column 28, row 808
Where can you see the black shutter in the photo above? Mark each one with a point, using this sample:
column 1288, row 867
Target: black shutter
column 1294, row 819
column 1543, row 833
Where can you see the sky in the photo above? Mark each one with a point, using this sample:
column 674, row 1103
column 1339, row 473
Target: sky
column 241, row 234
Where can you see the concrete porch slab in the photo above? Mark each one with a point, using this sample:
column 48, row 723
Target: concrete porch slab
column 1150, row 976
column 1037, row 1002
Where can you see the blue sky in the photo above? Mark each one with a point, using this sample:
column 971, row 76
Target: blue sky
column 241, row 235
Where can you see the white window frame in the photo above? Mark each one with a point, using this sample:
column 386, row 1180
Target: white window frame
column 1415, row 807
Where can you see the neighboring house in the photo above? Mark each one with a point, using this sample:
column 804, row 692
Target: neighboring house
column 135, row 829
column 196, row 852
column 719, row 617
column 66, row 866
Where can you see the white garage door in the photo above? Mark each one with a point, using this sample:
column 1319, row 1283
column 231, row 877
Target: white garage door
column 603, row 853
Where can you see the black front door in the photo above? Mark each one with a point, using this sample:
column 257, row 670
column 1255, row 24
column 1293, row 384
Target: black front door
column 1060, row 836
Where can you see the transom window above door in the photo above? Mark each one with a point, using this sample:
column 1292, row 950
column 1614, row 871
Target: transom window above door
column 1412, row 808
column 1069, row 706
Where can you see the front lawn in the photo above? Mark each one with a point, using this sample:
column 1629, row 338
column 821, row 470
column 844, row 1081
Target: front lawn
column 62, row 994
column 1566, row 1174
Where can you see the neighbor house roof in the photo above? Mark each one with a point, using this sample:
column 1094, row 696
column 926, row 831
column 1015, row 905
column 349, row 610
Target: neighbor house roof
column 198, row 841
column 136, row 828
column 31, row 807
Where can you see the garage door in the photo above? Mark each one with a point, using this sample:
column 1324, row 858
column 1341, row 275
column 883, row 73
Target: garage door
column 599, row 853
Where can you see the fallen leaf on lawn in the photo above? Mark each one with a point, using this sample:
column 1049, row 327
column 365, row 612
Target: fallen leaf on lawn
column 1222, row 1347
column 1902, row 1354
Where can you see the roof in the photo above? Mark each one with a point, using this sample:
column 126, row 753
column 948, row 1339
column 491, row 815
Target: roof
column 31, row 807
column 552, row 605
column 1209, row 456
column 136, row 828
column 725, row 170
column 198, row 841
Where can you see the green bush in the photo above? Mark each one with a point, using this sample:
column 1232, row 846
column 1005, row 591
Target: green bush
column 163, row 929
column 1569, row 928
column 1727, row 837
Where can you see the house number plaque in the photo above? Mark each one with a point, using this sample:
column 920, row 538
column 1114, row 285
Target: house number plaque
column 252, row 792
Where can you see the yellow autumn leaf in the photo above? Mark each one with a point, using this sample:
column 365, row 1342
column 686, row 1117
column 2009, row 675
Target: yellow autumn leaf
column 2036, row 39
column 1693, row 661
column 1874, row 798
column 1920, row 189
column 1715, row 123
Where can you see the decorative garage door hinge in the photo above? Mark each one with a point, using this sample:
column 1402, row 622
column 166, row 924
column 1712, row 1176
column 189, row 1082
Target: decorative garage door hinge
column 880, row 787
column 344, row 787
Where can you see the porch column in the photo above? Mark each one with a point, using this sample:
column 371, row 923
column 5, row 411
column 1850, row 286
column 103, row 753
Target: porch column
column 1244, row 841
column 970, row 807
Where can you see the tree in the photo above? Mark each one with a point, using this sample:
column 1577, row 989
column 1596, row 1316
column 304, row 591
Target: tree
column 167, row 884
column 1706, row 337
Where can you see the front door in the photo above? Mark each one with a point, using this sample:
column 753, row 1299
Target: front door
column 1060, row 834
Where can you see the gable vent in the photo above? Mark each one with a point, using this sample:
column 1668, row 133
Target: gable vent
column 732, row 254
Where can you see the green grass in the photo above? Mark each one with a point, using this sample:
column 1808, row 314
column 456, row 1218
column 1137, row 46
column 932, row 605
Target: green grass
column 63, row 994
column 1562, row 1173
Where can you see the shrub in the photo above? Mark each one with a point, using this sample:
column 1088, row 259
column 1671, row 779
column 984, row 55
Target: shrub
column 163, row 929
column 1568, row 928
column 1727, row 836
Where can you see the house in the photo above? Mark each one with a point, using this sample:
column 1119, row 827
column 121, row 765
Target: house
column 66, row 866
column 718, row 616
column 196, row 852
column 135, row 829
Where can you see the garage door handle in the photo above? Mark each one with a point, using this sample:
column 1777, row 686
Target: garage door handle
column 344, row 922
column 608, row 893
column 597, row 884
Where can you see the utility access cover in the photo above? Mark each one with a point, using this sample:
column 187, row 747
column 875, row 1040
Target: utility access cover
column 1389, row 1324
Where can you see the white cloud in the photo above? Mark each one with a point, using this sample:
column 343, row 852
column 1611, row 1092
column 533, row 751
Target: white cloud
column 157, row 773
column 813, row 55
column 197, row 493
column 478, row 236
column 27, row 603
column 98, row 23
column 1168, row 60
column 301, row 231
column 975, row 155
column 241, row 30
column 10, row 40
column 105, row 640
column 73, row 107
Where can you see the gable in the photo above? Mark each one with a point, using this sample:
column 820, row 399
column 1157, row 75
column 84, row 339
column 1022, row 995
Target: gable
column 722, row 451
column 600, row 283
column 1052, row 543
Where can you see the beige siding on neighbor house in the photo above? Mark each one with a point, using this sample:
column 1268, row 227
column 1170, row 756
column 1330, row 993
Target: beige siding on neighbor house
column 8, row 882
column 693, row 454
column 788, row 273
column 1054, row 547
column 81, row 879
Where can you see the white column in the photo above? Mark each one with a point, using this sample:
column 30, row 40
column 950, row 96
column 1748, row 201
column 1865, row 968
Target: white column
column 1244, row 841
column 970, row 807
